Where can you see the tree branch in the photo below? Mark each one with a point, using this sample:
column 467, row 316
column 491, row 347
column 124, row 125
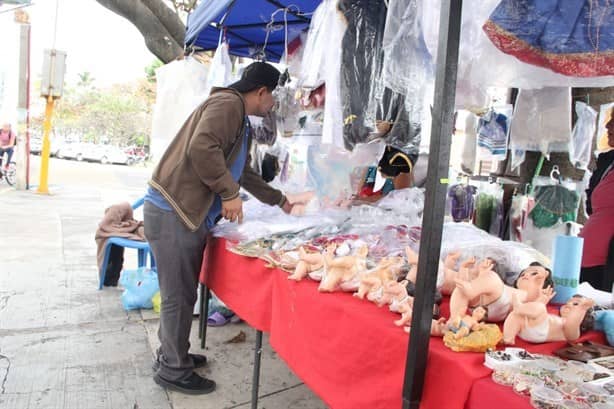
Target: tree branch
column 157, row 30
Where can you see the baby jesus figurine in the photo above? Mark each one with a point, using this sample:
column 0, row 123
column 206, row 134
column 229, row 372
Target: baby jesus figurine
column 447, row 270
column 372, row 282
column 342, row 269
column 310, row 262
column 532, row 322
column 488, row 289
column 463, row 326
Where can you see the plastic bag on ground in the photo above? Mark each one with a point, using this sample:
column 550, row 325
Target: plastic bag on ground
column 140, row 286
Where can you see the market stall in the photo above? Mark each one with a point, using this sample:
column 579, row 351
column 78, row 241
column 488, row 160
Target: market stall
column 345, row 349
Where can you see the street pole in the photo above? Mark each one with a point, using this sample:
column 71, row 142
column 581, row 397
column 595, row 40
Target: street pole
column 23, row 145
column 43, row 188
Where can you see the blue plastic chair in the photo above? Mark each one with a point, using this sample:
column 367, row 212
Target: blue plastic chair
column 142, row 247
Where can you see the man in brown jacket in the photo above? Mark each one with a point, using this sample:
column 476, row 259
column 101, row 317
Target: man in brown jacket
column 195, row 184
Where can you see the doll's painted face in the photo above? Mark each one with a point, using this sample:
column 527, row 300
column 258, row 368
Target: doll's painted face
column 575, row 303
column 479, row 313
column 532, row 277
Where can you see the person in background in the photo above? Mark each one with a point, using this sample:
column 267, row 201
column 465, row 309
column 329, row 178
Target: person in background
column 7, row 143
column 598, row 231
column 195, row 184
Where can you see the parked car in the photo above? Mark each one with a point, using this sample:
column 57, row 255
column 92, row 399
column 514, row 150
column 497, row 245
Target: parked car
column 70, row 150
column 114, row 154
column 36, row 146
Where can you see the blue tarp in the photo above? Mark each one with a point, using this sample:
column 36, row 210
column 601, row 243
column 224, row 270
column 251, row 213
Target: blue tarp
column 245, row 25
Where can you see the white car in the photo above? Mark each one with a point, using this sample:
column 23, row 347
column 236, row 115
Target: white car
column 114, row 154
column 36, row 146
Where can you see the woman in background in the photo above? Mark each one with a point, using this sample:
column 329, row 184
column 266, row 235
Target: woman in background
column 598, row 232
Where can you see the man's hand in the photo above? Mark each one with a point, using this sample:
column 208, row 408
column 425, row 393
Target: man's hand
column 232, row 210
column 287, row 207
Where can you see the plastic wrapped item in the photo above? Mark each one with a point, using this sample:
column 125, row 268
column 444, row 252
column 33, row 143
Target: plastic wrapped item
column 264, row 130
column 330, row 169
column 554, row 201
column 546, row 398
column 470, row 241
column 180, row 87
column 492, row 133
column 542, row 120
column 220, row 70
column 287, row 108
column 581, row 143
column 463, row 202
column 139, row 288
column 398, row 92
column 321, row 32
column 361, row 59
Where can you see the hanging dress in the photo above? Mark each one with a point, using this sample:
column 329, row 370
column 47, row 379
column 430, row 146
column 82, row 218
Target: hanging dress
column 570, row 37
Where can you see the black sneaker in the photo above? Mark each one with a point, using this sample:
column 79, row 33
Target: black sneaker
column 192, row 385
column 199, row 362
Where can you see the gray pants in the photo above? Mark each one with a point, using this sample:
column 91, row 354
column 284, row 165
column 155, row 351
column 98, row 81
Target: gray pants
column 178, row 253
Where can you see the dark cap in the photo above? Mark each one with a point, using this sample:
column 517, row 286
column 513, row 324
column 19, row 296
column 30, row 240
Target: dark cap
column 255, row 75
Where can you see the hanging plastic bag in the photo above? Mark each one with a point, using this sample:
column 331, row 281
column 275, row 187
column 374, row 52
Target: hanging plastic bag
column 582, row 136
column 139, row 288
column 542, row 120
column 554, row 203
column 264, row 130
column 493, row 129
column 361, row 60
column 406, row 74
column 220, row 71
column 180, row 87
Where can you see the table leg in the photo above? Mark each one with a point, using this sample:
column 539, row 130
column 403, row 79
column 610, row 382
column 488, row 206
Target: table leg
column 205, row 295
column 256, row 377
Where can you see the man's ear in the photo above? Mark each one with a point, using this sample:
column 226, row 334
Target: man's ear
column 261, row 91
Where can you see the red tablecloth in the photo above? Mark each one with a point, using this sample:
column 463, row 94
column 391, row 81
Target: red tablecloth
column 348, row 351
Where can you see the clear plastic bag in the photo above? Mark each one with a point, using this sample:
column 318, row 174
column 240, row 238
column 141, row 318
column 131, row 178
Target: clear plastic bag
column 331, row 169
column 406, row 73
column 555, row 202
column 322, row 30
column 180, row 87
column 493, row 130
column 542, row 120
column 220, row 70
column 470, row 241
column 582, row 136
column 264, row 130
column 361, row 59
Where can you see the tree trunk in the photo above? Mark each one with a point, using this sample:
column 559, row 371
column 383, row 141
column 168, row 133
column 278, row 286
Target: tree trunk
column 161, row 28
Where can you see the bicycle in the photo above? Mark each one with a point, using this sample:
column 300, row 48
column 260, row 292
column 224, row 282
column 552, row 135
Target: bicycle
column 9, row 173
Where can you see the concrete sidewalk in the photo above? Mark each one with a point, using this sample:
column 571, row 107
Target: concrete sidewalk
column 64, row 344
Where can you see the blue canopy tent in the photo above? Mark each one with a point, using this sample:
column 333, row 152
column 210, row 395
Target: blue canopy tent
column 245, row 24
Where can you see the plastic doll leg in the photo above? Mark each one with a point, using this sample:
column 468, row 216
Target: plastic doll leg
column 458, row 303
column 300, row 272
column 511, row 327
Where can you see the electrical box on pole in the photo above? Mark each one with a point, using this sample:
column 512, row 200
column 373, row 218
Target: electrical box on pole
column 54, row 66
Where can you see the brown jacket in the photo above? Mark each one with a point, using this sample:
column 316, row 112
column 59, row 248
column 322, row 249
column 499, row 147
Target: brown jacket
column 196, row 164
column 118, row 221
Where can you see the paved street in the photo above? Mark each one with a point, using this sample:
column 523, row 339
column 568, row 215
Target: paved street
column 64, row 344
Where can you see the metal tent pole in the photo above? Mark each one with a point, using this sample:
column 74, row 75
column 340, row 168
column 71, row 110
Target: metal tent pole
column 435, row 199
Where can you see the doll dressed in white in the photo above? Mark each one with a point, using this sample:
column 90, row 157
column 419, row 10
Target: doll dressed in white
column 531, row 321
